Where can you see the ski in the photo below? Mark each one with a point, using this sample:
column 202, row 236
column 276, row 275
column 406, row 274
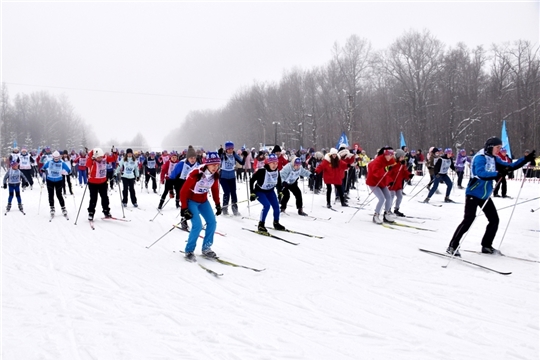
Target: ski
column 117, row 219
column 508, row 256
column 210, row 271
column 270, row 235
column 436, row 205
column 331, row 208
column 421, row 218
column 318, row 218
column 413, row 221
column 229, row 263
column 463, row 260
column 51, row 218
column 412, row 227
column 22, row 212
column 534, row 230
column 300, row 233
column 91, row 222
column 186, row 230
column 389, row 226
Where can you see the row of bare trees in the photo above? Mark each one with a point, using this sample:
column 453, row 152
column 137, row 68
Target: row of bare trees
column 40, row 119
column 437, row 96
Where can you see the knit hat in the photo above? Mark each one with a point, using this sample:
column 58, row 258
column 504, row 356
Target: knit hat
column 229, row 145
column 191, row 152
column 129, row 150
column 388, row 152
column 297, row 161
column 333, row 151
column 276, row 149
column 413, row 152
column 56, row 154
column 212, row 157
column 448, row 150
column 399, row 153
column 343, row 153
column 13, row 163
column 272, row 158
column 435, row 150
column 491, row 142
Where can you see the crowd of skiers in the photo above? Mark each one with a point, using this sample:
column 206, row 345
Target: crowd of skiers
column 271, row 177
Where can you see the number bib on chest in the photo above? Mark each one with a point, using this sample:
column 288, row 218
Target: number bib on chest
column 270, row 180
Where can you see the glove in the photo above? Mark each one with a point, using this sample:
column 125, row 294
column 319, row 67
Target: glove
column 186, row 214
column 411, row 176
column 502, row 171
column 138, row 178
column 218, row 209
column 5, row 186
column 280, row 196
column 403, row 162
column 285, row 185
column 530, row 158
column 220, row 151
column 252, row 197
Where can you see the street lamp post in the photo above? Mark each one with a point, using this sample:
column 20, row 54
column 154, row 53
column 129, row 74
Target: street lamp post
column 275, row 133
column 264, row 131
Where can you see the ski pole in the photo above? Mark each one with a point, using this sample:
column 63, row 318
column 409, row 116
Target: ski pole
column 247, row 193
column 431, row 182
column 514, row 208
column 162, row 236
column 120, row 195
column 509, row 206
column 40, row 192
column 422, row 178
column 533, row 210
column 159, row 210
column 467, row 233
column 80, row 206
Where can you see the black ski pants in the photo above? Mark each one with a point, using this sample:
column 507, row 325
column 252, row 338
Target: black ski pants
column 100, row 189
column 471, row 203
column 129, row 185
column 292, row 188
column 52, row 187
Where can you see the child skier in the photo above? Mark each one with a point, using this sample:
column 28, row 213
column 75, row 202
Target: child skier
column 13, row 178
column 289, row 177
column 262, row 186
column 194, row 200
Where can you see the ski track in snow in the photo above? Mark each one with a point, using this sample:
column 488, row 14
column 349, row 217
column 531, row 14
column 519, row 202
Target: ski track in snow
column 361, row 292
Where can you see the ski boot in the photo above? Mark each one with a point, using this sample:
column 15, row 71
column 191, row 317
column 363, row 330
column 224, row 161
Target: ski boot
column 184, row 224
column 107, row 214
column 278, row 226
column 426, row 201
column 52, row 211
column 190, row 256
column 160, row 206
column 448, row 200
column 398, row 213
column 377, row 219
column 261, row 227
column 490, row 250
column 8, row 207
column 90, row 217
column 301, row 212
column 450, row 251
column 64, row 211
column 389, row 217
column 208, row 253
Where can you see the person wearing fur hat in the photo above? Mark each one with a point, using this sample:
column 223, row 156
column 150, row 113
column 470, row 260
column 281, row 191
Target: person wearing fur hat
column 398, row 174
column 262, row 186
column 194, row 200
column 378, row 181
column 150, row 166
column 289, row 181
column 53, row 170
column 282, row 161
column 486, row 166
column 181, row 172
column 13, row 179
column 227, row 177
column 128, row 170
column 440, row 170
column 333, row 170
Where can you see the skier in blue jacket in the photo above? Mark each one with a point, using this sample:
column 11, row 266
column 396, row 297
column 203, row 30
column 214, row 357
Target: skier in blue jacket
column 227, row 177
column 53, row 168
column 485, row 168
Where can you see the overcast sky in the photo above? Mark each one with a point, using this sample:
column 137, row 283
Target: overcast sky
column 108, row 58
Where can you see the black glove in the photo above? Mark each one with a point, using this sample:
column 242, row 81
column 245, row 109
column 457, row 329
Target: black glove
column 391, row 184
column 403, row 162
column 252, row 197
column 186, row 214
column 220, row 151
column 5, row 186
column 138, row 178
column 530, row 158
column 218, row 209
column 502, row 171
column 411, row 176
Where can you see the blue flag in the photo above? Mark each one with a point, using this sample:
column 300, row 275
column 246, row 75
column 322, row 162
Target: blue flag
column 402, row 140
column 342, row 140
column 14, row 144
column 504, row 139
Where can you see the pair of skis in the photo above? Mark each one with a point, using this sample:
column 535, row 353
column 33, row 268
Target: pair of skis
column 91, row 222
column 223, row 262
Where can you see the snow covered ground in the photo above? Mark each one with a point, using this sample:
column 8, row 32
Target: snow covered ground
column 361, row 292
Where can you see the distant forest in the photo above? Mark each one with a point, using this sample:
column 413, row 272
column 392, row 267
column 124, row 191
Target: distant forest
column 436, row 95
